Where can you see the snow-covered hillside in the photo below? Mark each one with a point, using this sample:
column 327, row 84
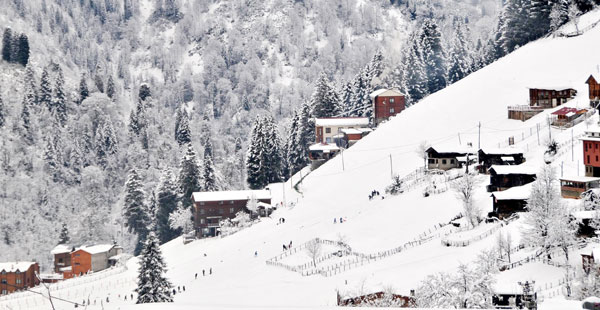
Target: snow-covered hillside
column 340, row 188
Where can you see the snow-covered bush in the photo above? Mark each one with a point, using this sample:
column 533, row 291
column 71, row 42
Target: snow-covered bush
column 239, row 222
column 396, row 187
column 181, row 218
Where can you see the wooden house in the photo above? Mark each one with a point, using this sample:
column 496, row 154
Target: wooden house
column 591, row 152
column 16, row 276
column 319, row 153
column 503, row 177
column 585, row 220
column 446, row 158
column 594, row 91
column 566, row 116
column 550, row 97
column 349, row 136
column 573, row 187
column 94, row 258
column 509, row 201
column 62, row 256
column 590, row 259
column 522, row 112
column 506, row 156
column 212, row 207
column 386, row 103
column 327, row 128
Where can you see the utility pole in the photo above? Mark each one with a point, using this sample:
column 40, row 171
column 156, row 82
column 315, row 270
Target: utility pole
column 283, row 187
column 479, row 137
column 343, row 166
column 391, row 167
column 549, row 130
column 459, row 143
column 538, row 132
column 572, row 146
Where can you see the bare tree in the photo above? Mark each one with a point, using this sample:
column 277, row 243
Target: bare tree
column 465, row 189
column 314, row 249
column 508, row 243
column 422, row 151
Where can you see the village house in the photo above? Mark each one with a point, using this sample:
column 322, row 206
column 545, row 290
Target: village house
column 349, row 136
column 507, row 202
column 212, row 207
column 62, row 257
column 505, row 177
column 386, row 103
column 319, row 153
column 567, row 117
column 594, row 91
column 448, row 158
column 591, row 152
column 574, row 186
column 546, row 98
column 326, row 129
column 506, row 156
column 16, row 276
column 588, row 259
column 586, row 227
column 87, row 259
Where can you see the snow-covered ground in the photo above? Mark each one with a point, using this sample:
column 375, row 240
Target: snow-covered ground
column 242, row 280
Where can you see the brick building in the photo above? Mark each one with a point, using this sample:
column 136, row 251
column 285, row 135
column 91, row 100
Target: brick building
column 211, row 207
column 386, row 103
column 16, row 276
column 594, row 91
column 591, row 152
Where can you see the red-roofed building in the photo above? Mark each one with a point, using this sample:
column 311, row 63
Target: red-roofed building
column 386, row 103
column 565, row 116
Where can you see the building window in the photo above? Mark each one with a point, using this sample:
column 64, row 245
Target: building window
column 3, row 281
column 77, row 255
column 391, row 110
column 391, row 100
column 452, row 161
column 328, row 139
column 231, row 202
column 431, row 161
column 77, row 264
column 327, row 130
column 221, row 202
column 585, row 146
column 4, row 292
column 18, row 272
column 220, row 211
column 443, row 161
column 588, row 159
column 201, row 203
column 596, row 157
column 19, row 281
column 201, row 211
column 3, row 272
column 201, row 221
column 231, row 210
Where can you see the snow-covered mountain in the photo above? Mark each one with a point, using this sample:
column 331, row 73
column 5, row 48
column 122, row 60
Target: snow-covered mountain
column 472, row 110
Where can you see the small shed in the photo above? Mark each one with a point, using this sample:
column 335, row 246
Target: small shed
column 350, row 136
column 507, row 202
column 565, row 116
column 503, row 177
column 573, row 187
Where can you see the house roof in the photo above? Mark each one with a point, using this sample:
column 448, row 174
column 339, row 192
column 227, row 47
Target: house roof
column 565, row 111
column 581, row 179
column 14, row 266
column 351, row 131
column 386, row 93
column 502, row 151
column 324, row 147
column 514, row 193
column 452, row 150
column 552, row 87
column 342, row 121
column 513, row 169
column 591, row 78
column 96, row 249
column 51, row 276
column 61, row 249
column 231, row 195
column 586, row 215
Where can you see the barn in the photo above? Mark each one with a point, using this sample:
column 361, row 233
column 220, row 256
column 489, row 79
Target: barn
column 211, row 207
column 386, row 103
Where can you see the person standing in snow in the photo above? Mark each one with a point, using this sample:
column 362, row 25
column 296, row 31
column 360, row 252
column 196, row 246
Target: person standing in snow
column 184, row 288
column 210, row 271
column 284, row 247
column 335, row 220
column 203, row 272
column 290, row 245
column 255, row 253
column 196, row 276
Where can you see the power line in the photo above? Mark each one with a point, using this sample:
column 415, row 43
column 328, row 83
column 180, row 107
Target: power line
column 42, row 294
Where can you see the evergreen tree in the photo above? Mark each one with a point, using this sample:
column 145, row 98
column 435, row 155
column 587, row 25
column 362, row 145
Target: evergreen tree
column 255, row 178
column 271, row 161
column 559, row 14
column 99, row 83
column 2, row 111
column 538, row 18
column 7, row 44
column 45, row 98
column 59, row 100
column 167, row 203
column 414, row 75
column 325, row 100
column 152, row 284
column 64, row 235
column 459, row 60
column 182, row 127
column 27, row 131
column 433, row 56
column 110, row 87
column 144, row 92
column 361, row 88
column 83, row 89
column 209, row 178
column 514, row 30
column 29, row 87
column 346, row 97
column 190, row 176
column 106, row 144
column 23, row 50
column 305, row 136
column 134, row 209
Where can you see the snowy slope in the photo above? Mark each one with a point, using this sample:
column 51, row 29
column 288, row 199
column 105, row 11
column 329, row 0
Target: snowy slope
column 241, row 280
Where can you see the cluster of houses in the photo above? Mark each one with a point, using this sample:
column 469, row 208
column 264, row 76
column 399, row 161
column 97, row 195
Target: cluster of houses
column 333, row 134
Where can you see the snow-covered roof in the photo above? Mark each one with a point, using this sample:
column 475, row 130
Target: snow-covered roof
column 514, row 193
column 68, row 268
column 365, row 129
column 51, row 276
column 585, row 215
column 507, row 158
column 14, row 266
column 323, row 147
column 265, row 205
column 96, row 249
column 231, row 195
column 552, row 87
column 61, row 249
column 351, row 131
column 581, row 179
column 597, row 139
column 502, row 151
column 385, row 92
column 592, row 299
column 116, row 257
column 342, row 121
column 453, row 149
column 566, row 111
column 593, row 129
column 513, row 169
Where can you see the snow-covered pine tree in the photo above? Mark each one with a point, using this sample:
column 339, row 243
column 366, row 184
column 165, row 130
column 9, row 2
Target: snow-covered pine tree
column 110, row 87
column 59, row 99
column 29, row 87
column 514, row 30
column 182, row 127
column 99, row 83
column 324, row 100
column 2, row 111
column 346, row 97
column 190, row 176
column 290, row 146
column 45, row 98
column 26, row 126
column 414, row 75
column 7, row 44
column 272, row 158
column 23, row 50
column 360, row 87
column 144, row 92
column 64, row 235
column 304, row 138
column 459, row 58
column 135, row 211
column 434, row 56
column 106, row 142
column 559, row 14
column 538, row 17
column 167, row 203
column 209, row 178
column 152, row 284
column 255, row 178
column 83, row 89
